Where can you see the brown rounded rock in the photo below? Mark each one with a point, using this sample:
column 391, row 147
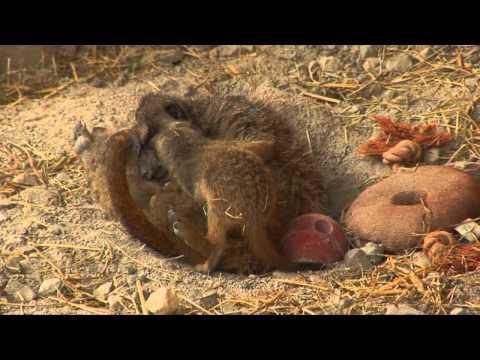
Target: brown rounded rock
column 398, row 210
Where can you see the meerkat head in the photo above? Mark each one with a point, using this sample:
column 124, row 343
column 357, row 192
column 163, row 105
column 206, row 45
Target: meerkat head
column 83, row 139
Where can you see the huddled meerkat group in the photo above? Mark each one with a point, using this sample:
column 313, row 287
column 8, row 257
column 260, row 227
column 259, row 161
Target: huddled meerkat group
column 216, row 179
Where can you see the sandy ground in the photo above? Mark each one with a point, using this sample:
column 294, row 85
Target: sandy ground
column 59, row 232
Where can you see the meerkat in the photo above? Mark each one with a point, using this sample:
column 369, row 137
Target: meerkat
column 140, row 205
column 232, row 181
column 238, row 118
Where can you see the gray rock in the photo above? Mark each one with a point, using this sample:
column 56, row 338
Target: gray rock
column 371, row 64
column 12, row 263
column 12, row 286
column 49, row 287
column 340, row 302
column 25, row 266
column 399, row 63
column 366, row 51
column 432, row 156
column 162, row 302
column 402, row 309
column 103, row 290
column 115, row 303
column 356, row 259
column 421, row 260
column 209, row 299
column 25, row 294
column 329, row 63
column 374, row 252
column 459, row 311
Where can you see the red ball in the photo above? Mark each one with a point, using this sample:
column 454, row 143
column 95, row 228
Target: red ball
column 314, row 238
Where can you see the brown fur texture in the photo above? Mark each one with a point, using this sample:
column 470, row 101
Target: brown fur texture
column 232, row 181
column 141, row 206
column 253, row 121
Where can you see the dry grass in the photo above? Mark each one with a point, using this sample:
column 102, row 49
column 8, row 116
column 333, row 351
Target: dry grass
column 434, row 90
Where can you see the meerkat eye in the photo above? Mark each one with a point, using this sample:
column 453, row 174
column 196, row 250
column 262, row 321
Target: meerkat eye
column 174, row 111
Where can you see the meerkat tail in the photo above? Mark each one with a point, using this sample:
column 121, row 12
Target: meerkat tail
column 261, row 245
column 130, row 215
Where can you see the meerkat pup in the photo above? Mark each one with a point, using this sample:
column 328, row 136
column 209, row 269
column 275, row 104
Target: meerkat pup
column 232, row 181
column 140, row 205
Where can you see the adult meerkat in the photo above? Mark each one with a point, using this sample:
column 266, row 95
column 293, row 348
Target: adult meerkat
column 140, row 205
column 234, row 183
column 143, row 207
column 238, row 118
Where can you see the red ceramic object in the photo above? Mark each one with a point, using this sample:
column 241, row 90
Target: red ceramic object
column 314, row 238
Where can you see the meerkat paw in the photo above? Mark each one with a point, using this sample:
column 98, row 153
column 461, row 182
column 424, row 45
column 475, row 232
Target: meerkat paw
column 79, row 130
column 176, row 225
column 81, row 138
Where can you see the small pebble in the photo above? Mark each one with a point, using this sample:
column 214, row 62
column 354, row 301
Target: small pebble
column 356, row 259
column 25, row 294
column 115, row 303
column 374, row 252
column 26, row 179
column 400, row 63
column 103, row 290
column 402, row 309
column 209, row 299
column 25, row 266
column 162, row 302
column 421, row 260
column 49, row 287
column 13, row 263
column 432, row 155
